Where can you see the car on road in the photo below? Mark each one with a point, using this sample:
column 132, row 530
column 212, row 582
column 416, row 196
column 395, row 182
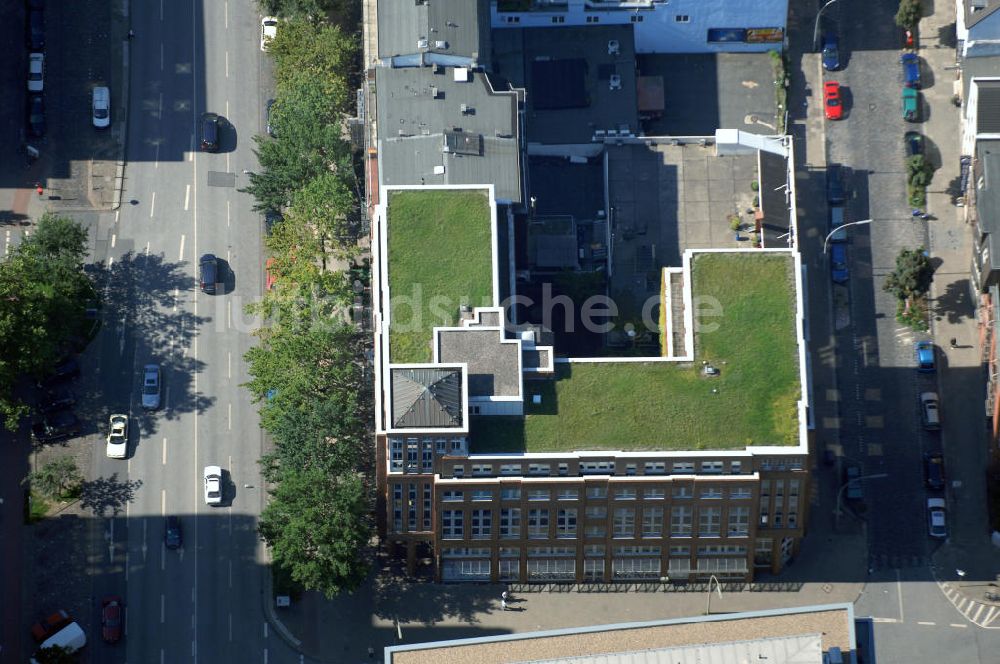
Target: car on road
column 213, row 485
column 831, row 52
column 854, row 491
column 838, row 263
column 268, row 31
column 914, row 141
column 930, row 412
column 937, row 524
column 36, row 30
column 172, row 534
column 36, row 115
column 835, row 194
column 36, row 72
column 833, row 105
column 208, row 273
column 111, row 618
column 911, row 70
column 117, row 447
column 151, row 386
column 911, row 105
column 934, row 471
column 269, row 127
column 55, row 426
column 210, row 125
column 924, row 351
column 101, row 106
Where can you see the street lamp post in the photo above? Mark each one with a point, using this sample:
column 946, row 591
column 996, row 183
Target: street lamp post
column 816, row 28
column 840, row 493
column 826, row 240
column 718, row 589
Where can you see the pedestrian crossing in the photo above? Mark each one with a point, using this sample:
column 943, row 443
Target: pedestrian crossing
column 981, row 614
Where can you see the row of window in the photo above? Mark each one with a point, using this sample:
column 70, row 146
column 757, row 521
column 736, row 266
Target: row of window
column 564, row 569
column 595, row 551
column 599, row 493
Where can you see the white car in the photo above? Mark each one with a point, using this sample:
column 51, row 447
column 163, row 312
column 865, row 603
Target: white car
column 936, row 523
column 101, row 97
column 151, row 386
column 268, row 30
column 36, row 72
column 118, row 437
column 213, row 485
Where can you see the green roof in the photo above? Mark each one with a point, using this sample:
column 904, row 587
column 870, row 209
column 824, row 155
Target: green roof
column 674, row 406
column 440, row 257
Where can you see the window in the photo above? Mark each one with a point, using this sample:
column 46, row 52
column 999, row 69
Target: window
column 652, row 522
column 566, row 524
column 636, row 568
column 558, row 19
column 682, row 18
column 597, row 512
column 654, row 494
column 597, row 467
column 680, row 521
column 593, row 569
column 482, row 494
column 625, row 493
column 793, row 487
column 593, row 19
column 722, row 550
column 510, row 493
column 396, row 453
column 451, row 524
column 740, row 493
column 635, row 18
column 397, row 508
column 683, row 467
column 711, row 493
column 709, row 521
column 680, row 550
column 765, row 488
column 452, row 496
column 512, row 19
column 637, row 551
column 427, row 457
column 510, row 552
column 656, row 468
column 479, row 470
column 630, row 469
column 711, row 467
column 457, row 445
column 538, row 524
column 597, row 492
column 764, row 511
column 739, row 521
column 568, row 494
column 551, row 552
column 539, row 469
column 411, row 512
column 482, row 523
column 509, row 570
column 427, row 507
column 594, row 550
column 539, row 494
column 793, row 511
column 510, row 522
column 442, row 445
column 564, row 469
column 683, row 491
column 591, row 530
column 624, row 522
column 458, row 471
column 735, row 467
column 510, row 469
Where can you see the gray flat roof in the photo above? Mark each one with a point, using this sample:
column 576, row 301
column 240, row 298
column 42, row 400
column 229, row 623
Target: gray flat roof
column 419, row 111
column 567, row 74
column 988, row 196
column 978, row 67
column 492, row 365
column 450, row 27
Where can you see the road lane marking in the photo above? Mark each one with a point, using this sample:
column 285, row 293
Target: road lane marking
column 228, row 215
column 161, row 655
column 265, row 655
column 147, row 250
column 111, row 261
column 230, row 416
column 152, row 205
column 163, row 609
column 144, row 522
column 156, row 148
column 193, row 590
column 899, row 595
column 164, row 451
column 180, row 254
column 976, row 617
column 163, row 556
column 989, row 616
column 191, row 151
column 163, row 502
column 187, row 197
column 177, row 296
column 229, row 313
column 126, row 564
column 923, row 622
column 265, row 630
column 229, row 363
column 113, row 237
column 161, row 18
column 958, row 625
column 227, row 64
column 885, row 620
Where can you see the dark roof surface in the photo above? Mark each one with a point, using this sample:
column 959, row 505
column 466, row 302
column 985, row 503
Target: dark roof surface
column 426, row 398
column 988, row 113
column 450, row 27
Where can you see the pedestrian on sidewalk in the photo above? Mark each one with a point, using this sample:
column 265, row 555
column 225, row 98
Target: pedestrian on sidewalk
column 503, row 604
column 131, row 33
column 954, row 342
column 38, row 188
column 504, row 596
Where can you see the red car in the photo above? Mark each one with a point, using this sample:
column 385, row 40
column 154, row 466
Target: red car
column 832, row 105
column 111, row 618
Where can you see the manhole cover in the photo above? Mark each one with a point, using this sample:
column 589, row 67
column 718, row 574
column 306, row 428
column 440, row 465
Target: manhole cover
column 827, row 588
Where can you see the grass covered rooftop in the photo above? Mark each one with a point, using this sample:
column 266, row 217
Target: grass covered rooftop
column 673, row 406
column 440, row 248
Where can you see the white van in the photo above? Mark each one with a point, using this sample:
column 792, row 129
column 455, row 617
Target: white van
column 71, row 637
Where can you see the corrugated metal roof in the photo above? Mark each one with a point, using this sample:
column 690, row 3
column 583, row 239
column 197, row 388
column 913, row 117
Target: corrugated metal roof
column 797, row 649
column 426, row 398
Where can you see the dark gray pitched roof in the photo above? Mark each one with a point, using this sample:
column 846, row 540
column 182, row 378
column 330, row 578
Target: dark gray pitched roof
column 974, row 15
column 449, row 27
column 426, row 398
column 988, row 111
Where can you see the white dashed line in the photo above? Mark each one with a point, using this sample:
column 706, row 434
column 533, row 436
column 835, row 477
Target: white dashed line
column 924, row 622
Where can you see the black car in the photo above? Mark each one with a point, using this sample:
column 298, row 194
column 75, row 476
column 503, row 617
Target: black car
column 914, row 143
column 172, row 536
column 36, row 31
column 55, row 426
column 210, row 132
column 934, row 471
column 208, row 273
column 269, row 128
column 835, row 194
column 51, row 401
column 36, row 115
column 271, row 218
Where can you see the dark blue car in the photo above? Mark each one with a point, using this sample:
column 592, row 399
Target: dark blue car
column 831, row 52
column 911, row 70
column 838, row 263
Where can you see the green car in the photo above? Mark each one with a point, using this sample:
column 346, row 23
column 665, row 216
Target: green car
column 911, row 109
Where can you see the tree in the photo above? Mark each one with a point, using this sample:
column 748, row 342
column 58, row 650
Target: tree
column 912, row 276
column 59, row 478
column 55, row 655
column 318, row 528
column 909, row 13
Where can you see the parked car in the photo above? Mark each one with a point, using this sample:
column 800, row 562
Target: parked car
column 101, row 106
column 930, row 413
column 934, row 471
column 48, row 626
column 117, row 447
column 213, row 485
column 55, row 426
column 208, row 273
column 111, row 618
column 151, row 386
column 36, row 115
column 833, row 105
column 272, row 217
column 36, row 72
column 911, row 106
column 172, row 534
column 837, row 216
column 914, row 143
column 924, row 351
column 36, row 30
column 838, row 263
column 936, row 522
column 854, row 491
column 268, row 31
column 831, row 52
column 911, row 70
column 210, row 132
column 835, row 185
column 269, row 127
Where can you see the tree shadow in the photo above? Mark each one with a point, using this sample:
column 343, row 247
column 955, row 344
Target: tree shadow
column 956, row 302
column 107, row 493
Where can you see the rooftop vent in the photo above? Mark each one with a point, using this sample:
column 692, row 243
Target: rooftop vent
column 614, row 48
column 422, row 42
column 441, row 44
column 462, row 74
column 439, row 170
column 467, row 110
column 615, row 83
column 536, row 399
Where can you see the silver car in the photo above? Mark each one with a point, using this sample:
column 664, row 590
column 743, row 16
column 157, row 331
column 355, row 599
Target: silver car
column 151, row 386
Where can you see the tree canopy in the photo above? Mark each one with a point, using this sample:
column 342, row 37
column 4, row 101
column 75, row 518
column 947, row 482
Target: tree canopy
column 912, row 276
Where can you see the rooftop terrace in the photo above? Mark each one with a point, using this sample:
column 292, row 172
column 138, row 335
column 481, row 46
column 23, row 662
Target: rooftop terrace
column 745, row 310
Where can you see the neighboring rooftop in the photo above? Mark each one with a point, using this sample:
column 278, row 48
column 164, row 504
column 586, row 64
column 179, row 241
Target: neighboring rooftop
column 782, row 636
column 987, row 183
column 440, row 257
column 747, row 331
column 426, row 398
column 988, row 110
column 446, row 126
column 446, row 27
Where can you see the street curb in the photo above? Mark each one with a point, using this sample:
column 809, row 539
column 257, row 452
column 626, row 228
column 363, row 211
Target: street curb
column 267, row 593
